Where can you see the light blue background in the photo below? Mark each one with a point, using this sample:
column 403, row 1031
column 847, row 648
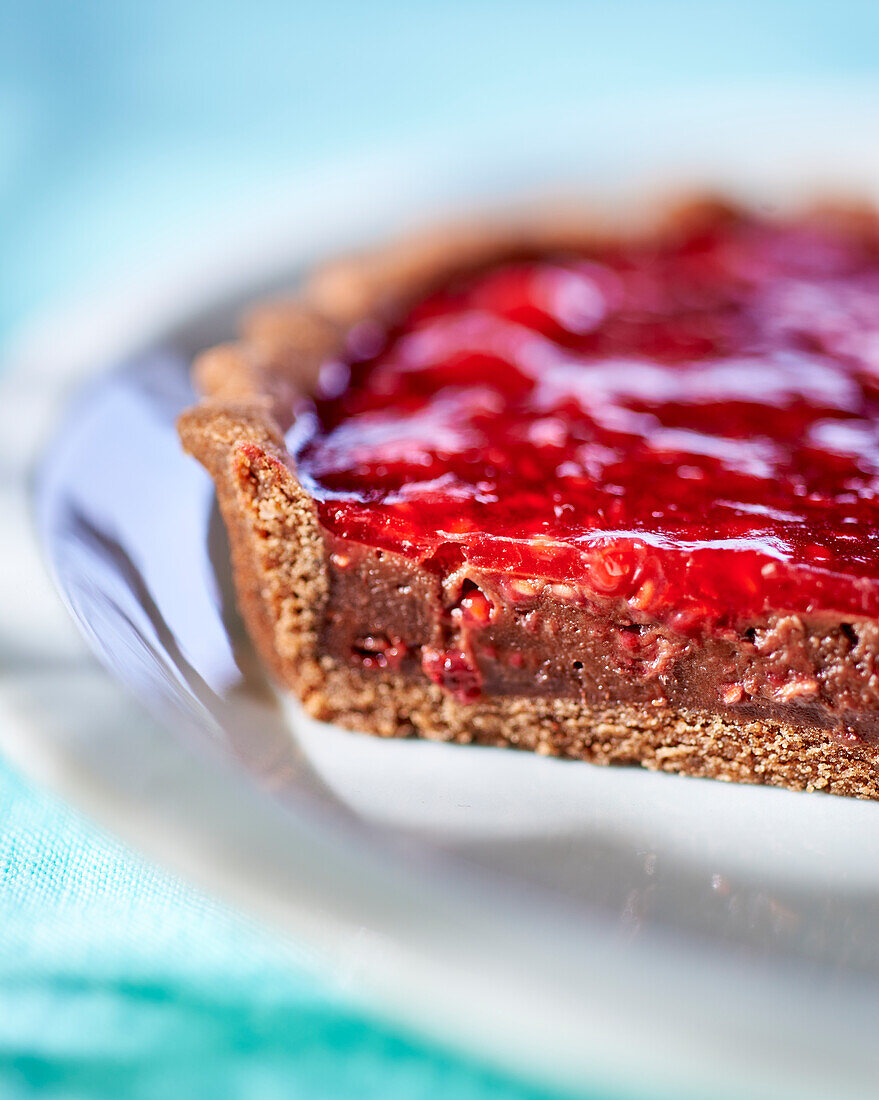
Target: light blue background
column 125, row 123
column 124, row 127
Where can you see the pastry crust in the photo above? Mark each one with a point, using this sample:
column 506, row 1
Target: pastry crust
column 286, row 577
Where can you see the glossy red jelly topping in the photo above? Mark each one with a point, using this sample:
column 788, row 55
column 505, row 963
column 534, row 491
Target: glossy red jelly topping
column 691, row 431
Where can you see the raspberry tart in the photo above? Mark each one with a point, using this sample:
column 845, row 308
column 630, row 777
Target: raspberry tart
column 607, row 492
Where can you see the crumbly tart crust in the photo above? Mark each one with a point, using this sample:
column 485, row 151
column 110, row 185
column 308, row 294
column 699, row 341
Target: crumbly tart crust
column 291, row 591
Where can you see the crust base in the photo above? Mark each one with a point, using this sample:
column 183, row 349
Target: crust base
column 695, row 743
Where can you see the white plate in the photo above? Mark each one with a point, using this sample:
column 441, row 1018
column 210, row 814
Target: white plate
column 609, row 928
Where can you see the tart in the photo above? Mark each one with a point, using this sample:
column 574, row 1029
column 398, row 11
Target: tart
column 604, row 490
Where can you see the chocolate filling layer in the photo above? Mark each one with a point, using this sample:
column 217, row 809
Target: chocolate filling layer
column 463, row 633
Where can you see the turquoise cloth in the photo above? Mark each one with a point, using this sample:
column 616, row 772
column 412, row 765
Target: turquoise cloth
column 123, row 127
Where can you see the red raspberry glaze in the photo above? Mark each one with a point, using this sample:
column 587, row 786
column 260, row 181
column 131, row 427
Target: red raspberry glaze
column 688, row 431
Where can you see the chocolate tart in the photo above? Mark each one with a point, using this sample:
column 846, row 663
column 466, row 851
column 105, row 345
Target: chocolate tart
column 604, row 490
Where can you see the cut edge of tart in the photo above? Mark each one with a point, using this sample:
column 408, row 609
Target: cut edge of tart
column 382, row 640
